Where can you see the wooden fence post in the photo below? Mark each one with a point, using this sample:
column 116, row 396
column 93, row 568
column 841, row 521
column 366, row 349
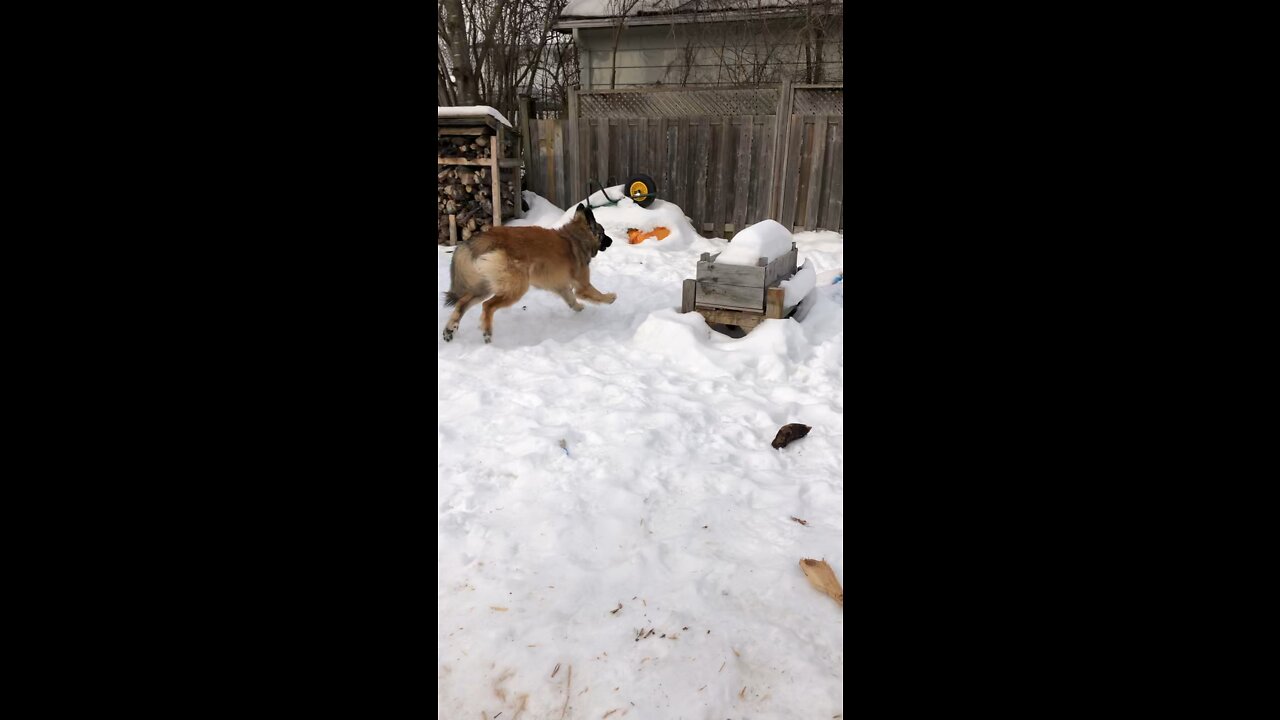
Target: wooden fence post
column 526, row 140
column 575, row 148
column 495, row 156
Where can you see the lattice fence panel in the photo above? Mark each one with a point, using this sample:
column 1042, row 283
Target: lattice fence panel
column 676, row 104
column 818, row 101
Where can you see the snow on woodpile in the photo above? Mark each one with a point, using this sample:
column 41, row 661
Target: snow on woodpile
column 767, row 239
column 472, row 111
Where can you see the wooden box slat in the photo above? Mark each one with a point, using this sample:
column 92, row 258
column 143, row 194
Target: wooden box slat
column 781, row 268
column 730, row 274
column 739, row 297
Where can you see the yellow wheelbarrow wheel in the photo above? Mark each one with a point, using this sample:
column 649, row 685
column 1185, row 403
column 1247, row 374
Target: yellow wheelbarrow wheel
column 642, row 189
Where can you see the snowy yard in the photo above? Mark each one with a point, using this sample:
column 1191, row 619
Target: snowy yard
column 666, row 509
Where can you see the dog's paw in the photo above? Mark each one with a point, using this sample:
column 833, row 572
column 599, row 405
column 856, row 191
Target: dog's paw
column 488, row 338
column 448, row 334
column 610, row 297
column 577, row 308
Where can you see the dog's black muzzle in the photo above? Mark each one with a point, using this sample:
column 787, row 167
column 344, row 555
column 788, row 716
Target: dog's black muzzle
column 605, row 242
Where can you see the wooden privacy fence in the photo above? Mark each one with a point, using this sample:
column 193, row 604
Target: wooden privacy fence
column 720, row 154
column 546, row 158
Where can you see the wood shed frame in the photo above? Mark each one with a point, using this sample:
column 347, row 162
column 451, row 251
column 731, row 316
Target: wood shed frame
column 497, row 160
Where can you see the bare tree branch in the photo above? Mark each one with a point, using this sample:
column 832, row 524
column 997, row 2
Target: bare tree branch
column 619, row 8
column 453, row 30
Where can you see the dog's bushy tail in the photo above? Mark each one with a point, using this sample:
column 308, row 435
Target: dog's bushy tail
column 462, row 278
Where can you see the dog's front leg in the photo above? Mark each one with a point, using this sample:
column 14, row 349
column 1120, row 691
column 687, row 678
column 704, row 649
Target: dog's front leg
column 590, row 293
column 567, row 293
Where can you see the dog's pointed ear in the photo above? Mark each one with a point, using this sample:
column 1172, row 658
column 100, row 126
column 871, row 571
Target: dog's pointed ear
column 582, row 215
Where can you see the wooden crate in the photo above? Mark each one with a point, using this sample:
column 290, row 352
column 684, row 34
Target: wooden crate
column 742, row 295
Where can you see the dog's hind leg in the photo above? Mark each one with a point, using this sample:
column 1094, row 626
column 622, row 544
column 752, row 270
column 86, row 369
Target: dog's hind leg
column 493, row 304
column 464, row 303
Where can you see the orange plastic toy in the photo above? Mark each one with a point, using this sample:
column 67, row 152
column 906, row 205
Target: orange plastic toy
column 635, row 237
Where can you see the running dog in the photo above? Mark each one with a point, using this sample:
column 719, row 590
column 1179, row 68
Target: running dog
column 505, row 261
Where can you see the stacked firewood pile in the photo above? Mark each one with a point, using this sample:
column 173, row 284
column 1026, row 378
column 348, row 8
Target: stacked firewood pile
column 472, row 148
column 467, row 193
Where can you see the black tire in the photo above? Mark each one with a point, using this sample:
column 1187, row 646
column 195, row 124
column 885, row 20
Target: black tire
column 644, row 185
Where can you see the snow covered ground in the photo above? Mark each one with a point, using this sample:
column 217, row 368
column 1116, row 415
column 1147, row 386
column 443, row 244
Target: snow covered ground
column 608, row 473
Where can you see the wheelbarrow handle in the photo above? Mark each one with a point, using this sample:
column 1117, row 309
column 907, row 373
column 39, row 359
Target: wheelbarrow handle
column 604, row 192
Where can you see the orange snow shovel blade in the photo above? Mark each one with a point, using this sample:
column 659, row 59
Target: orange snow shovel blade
column 635, row 237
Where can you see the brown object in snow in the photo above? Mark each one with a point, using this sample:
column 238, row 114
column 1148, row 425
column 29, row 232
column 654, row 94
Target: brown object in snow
column 791, row 432
column 821, row 576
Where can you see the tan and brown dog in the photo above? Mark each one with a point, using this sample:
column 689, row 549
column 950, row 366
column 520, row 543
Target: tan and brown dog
column 505, row 261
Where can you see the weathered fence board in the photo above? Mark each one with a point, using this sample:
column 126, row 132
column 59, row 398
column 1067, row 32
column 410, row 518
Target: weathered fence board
column 626, row 158
column 714, row 196
column 791, row 172
column 724, row 182
column 833, row 187
column 536, row 160
column 699, row 174
column 560, row 178
column 619, row 144
column 742, row 172
column 802, row 178
column 762, row 181
column 815, row 173
column 828, row 172
column 681, row 174
column 641, row 155
column 576, row 142
column 603, row 151
column 664, row 148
